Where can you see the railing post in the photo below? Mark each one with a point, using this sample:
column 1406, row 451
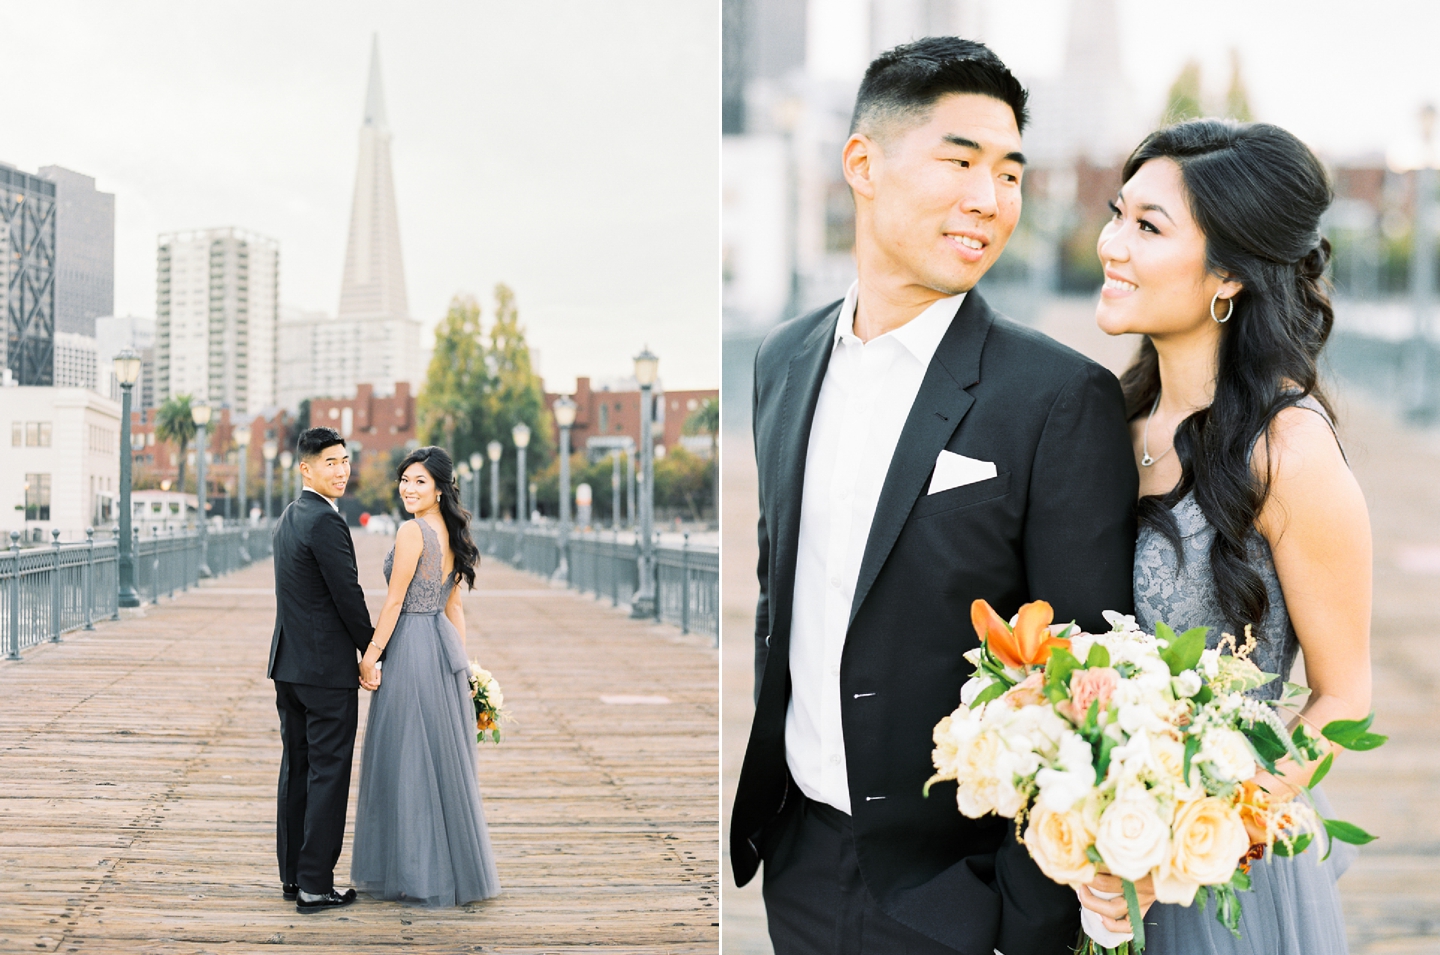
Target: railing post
column 89, row 596
column 118, row 548
column 14, row 653
column 613, row 560
column 56, row 594
column 155, row 562
column 654, row 563
column 685, row 584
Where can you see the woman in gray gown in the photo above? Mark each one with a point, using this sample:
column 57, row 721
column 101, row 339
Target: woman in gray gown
column 1248, row 511
column 420, row 833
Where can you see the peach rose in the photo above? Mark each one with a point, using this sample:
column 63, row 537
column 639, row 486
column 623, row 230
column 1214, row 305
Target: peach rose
column 1094, row 685
column 1208, row 840
column 1057, row 842
column 1131, row 837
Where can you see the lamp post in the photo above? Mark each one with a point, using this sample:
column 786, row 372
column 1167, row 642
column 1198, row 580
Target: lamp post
column 286, row 460
column 127, row 372
column 1422, row 268
column 462, row 470
column 242, row 455
column 200, row 414
column 268, row 451
column 493, row 450
column 564, row 408
column 477, row 464
column 646, row 366
column 520, row 434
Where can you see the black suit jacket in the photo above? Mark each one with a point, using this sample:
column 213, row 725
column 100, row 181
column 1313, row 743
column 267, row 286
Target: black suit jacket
column 320, row 613
column 1057, row 523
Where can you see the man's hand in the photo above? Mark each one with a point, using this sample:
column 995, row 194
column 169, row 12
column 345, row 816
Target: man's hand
column 369, row 673
column 1113, row 912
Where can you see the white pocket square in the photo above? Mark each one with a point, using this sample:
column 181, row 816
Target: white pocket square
column 956, row 470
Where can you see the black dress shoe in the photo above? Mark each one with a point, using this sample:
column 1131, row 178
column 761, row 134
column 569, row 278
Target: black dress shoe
column 330, row 900
column 290, row 890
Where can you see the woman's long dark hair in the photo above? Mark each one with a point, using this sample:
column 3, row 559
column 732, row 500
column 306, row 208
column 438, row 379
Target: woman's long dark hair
column 1257, row 193
column 457, row 519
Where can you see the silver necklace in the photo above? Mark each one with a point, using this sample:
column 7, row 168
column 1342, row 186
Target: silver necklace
column 1145, row 459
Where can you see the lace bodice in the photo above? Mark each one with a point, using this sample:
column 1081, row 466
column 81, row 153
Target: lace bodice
column 1183, row 594
column 430, row 587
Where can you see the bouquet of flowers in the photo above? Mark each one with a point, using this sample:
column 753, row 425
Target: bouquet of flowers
column 1134, row 752
column 489, row 703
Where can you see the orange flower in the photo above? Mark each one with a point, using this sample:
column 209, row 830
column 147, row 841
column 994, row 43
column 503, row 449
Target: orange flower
column 1028, row 644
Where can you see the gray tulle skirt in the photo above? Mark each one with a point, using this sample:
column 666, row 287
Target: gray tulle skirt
column 420, row 833
column 1293, row 908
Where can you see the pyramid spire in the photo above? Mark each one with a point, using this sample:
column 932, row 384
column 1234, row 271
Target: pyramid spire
column 374, row 281
column 375, row 93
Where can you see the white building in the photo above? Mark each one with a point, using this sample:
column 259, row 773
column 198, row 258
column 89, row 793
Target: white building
column 75, row 361
column 59, row 460
column 216, row 310
column 114, row 334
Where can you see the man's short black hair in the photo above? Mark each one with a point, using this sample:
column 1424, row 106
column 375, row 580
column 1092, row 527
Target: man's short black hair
column 314, row 442
column 902, row 84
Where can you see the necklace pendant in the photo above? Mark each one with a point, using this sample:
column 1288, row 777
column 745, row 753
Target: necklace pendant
column 1147, row 460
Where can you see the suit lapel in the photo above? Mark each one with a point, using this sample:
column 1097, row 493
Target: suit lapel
column 803, row 378
column 939, row 407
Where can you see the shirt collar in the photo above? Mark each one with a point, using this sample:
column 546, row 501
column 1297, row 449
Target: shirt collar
column 920, row 336
column 334, row 506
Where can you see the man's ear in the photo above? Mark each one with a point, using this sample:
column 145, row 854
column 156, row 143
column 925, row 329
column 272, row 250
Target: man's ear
column 858, row 162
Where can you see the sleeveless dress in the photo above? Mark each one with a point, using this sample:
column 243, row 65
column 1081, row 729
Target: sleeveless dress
column 420, row 833
column 1293, row 907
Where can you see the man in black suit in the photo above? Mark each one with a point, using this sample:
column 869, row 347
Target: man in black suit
column 321, row 626
column 915, row 452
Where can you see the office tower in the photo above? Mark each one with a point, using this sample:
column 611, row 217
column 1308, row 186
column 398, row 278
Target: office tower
column 374, row 309
column 27, row 207
column 75, row 361
column 216, row 304
column 84, row 251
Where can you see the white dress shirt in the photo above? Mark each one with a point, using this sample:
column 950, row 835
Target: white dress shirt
column 864, row 401
column 333, row 506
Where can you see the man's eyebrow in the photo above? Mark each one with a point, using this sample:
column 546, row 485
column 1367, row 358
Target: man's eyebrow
column 957, row 140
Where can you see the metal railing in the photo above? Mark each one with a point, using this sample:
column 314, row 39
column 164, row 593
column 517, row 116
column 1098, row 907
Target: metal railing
column 687, row 578
column 51, row 590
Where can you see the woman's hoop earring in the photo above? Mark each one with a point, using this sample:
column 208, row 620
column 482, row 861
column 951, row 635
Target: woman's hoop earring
column 1228, row 312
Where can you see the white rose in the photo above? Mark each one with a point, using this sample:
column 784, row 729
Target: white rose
column 1227, row 755
column 1080, row 644
column 1170, row 888
column 1121, row 622
column 1132, row 838
column 1057, row 842
column 1209, row 840
column 1209, row 663
column 1186, row 685
column 977, row 797
column 1072, row 779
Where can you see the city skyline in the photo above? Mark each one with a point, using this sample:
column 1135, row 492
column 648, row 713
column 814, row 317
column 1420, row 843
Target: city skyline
column 511, row 165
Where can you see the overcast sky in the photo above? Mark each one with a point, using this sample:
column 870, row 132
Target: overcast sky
column 569, row 149
column 1347, row 76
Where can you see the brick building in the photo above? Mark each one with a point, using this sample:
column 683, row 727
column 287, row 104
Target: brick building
column 378, row 425
column 615, row 412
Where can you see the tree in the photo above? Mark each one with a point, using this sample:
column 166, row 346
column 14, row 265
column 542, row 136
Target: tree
column 174, row 422
column 451, row 406
column 376, row 489
column 302, row 420
column 705, row 420
column 1237, row 100
column 684, row 480
column 1183, row 101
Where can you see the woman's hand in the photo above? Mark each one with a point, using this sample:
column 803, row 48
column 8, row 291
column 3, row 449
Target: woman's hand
column 369, row 668
column 1114, row 914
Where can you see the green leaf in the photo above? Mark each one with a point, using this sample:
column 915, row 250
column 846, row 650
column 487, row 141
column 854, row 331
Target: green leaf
column 1240, row 880
column 1366, row 741
column 1268, row 746
column 1340, row 731
column 991, row 692
column 1294, row 691
column 1102, row 759
column 1098, row 657
column 1308, row 746
column 1065, row 634
column 1321, row 770
column 1347, row 832
column 1062, row 664
column 1093, row 854
column 1192, row 746
column 1183, row 652
column 1203, row 696
column 1132, row 905
column 1163, row 632
column 1295, row 847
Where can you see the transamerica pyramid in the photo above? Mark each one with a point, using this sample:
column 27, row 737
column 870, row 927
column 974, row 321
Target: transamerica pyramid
column 372, row 291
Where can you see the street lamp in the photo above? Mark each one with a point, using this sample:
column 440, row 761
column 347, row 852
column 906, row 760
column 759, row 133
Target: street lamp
column 267, row 449
column 127, row 372
column 477, row 464
column 286, row 459
column 463, row 471
column 520, row 434
column 564, row 408
column 493, row 450
column 200, row 414
column 1422, row 268
column 242, row 443
column 646, row 366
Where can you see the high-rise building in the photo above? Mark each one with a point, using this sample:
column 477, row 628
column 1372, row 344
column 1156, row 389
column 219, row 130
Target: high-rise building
column 84, row 251
column 374, row 314
column 27, row 207
column 75, row 361
column 307, row 363
column 216, row 305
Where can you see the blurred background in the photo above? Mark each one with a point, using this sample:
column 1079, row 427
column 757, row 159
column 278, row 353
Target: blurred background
column 1358, row 83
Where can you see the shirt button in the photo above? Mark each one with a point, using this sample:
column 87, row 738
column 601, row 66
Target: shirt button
column 835, row 582
column 834, row 671
column 835, row 758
